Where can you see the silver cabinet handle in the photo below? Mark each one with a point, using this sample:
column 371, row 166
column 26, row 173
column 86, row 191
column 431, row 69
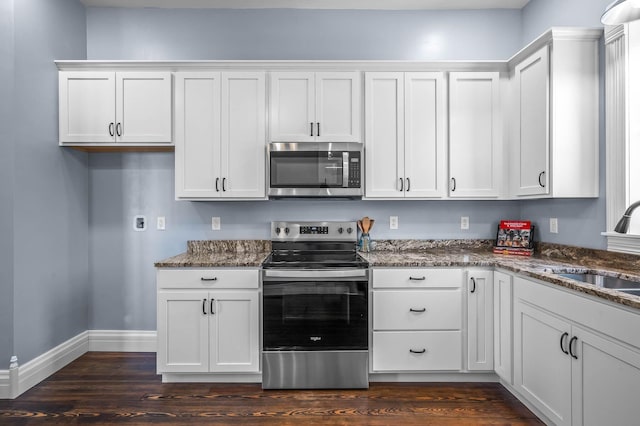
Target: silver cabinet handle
column 421, row 351
column 417, row 278
column 418, row 310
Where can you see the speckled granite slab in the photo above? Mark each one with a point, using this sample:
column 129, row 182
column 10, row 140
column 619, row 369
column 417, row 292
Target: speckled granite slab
column 549, row 260
column 220, row 253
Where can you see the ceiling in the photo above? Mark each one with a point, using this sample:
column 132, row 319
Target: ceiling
column 314, row 4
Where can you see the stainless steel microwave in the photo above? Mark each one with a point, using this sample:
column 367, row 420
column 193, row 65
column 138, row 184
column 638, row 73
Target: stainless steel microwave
column 315, row 169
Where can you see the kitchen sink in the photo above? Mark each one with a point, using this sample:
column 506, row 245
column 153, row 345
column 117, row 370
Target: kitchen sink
column 603, row 281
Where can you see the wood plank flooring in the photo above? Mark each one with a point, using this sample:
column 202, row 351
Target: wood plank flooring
column 108, row 388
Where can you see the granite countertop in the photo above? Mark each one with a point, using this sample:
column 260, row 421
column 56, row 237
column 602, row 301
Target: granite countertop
column 544, row 265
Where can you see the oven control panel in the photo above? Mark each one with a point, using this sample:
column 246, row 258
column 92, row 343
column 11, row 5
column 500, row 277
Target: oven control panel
column 313, row 231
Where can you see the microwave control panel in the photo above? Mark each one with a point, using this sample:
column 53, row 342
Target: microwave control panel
column 354, row 170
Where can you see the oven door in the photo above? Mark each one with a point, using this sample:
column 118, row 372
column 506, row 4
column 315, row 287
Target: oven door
column 311, row 314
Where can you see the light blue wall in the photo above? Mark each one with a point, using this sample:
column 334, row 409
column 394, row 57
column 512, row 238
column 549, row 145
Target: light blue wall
column 6, row 183
column 301, row 34
column 51, row 275
column 539, row 15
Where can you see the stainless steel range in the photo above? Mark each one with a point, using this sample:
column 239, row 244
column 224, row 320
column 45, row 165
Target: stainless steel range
column 315, row 308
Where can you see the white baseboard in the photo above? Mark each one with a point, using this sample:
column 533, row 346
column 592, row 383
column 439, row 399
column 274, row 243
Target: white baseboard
column 38, row 369
column 122, row 341
column 5, row 384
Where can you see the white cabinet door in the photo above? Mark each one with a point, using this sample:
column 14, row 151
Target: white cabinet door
column 86, row 107
column 183, row 332
column 502, row 326
column 531, row 144
column 424, row 135
column 480, row 320
column 243, row 149
column 198, row 135
column 143, row 107
column 338, row 107
column 542, row 365
column 606, row 380
column 234, row 335
column 475, row 141
column 292, row 107
column 384, row 134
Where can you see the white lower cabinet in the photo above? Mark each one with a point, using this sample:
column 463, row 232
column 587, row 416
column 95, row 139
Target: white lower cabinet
column 417, row 320
column 574, row 359
column 502, row 326
column 212, row 327
column 480, row 320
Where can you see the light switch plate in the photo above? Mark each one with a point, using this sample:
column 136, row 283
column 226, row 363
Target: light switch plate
column 161, row 223
column 553, row 225
column 215, row 223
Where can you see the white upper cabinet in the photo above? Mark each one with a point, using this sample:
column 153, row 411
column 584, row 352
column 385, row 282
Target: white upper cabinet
column 475, row 135
column 315, row 107
column 531, row 145
column 133, row 108
column 555, row 119
column 405, row 134
column 220, row 135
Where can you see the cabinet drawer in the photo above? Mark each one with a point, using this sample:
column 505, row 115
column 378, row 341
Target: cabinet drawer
column 208, row 278
column 417, row 310
column 417, row 278
column 417, row 350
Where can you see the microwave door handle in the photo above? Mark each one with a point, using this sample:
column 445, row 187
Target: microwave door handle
column 345, row 169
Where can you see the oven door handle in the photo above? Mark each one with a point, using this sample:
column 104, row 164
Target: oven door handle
column 269, row 274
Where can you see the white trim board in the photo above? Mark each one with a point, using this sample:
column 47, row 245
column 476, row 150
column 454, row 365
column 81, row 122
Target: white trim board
column 38, row 369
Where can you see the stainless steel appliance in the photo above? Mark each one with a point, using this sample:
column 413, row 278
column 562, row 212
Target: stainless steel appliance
column 311, row 169
column 315, row 308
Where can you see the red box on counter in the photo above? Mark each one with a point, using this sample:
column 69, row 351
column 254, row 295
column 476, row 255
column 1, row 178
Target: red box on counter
column 514, row 237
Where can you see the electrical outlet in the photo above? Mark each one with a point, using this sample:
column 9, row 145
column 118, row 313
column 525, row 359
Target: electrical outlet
column 553, row 225
column 215, row 223
column 161, row 223
column 464, row 222
column 139, row 223
column 393, row 222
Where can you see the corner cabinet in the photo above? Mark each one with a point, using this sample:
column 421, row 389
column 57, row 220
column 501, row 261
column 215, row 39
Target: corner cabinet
column 555, row 116
column 208, row 321
column 475, row 135
column 220, row 135
column 576, row 360
column 315, row 107
column 116, row 109
column 405, row 122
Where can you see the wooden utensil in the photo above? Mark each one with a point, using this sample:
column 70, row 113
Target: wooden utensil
column 366, row 224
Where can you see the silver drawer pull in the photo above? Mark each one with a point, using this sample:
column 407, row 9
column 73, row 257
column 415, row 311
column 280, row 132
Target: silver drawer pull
column 417, row 279
column 418, row 310
column 418, row 352
column 208, row 279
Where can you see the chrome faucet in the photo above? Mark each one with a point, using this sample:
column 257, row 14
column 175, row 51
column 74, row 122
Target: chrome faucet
column 623, row 225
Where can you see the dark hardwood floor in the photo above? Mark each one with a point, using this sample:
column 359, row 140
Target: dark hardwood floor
column 105, row 388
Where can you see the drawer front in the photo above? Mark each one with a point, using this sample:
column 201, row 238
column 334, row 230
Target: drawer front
column 417, row 351
column 417, row 310
column 416, row 278
column 207, row 278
